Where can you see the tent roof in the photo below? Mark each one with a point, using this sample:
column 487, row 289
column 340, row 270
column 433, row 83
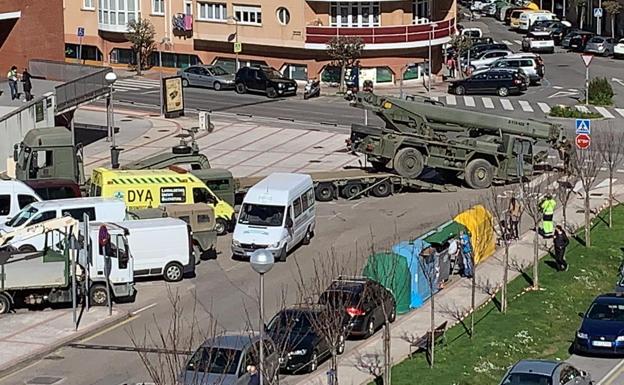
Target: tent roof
column 445, row 232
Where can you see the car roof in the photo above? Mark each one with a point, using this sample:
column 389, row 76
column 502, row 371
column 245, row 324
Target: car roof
column 543, row 367
column 540, row 33
column 610, row 298
column 237, row 341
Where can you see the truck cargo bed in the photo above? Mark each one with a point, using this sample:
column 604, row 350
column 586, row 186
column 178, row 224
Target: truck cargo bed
column 29, row 271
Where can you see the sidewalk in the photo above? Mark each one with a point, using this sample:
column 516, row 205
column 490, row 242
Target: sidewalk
column 453, row 300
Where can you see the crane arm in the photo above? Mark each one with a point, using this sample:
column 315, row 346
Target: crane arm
column 64, row 223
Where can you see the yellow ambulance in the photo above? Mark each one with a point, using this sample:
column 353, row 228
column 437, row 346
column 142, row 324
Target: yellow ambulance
column 144, row 189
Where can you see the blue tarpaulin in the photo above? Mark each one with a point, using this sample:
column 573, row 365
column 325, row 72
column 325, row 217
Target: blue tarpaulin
column 419, row 269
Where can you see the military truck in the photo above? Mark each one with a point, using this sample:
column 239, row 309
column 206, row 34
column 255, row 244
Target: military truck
column 477, row 147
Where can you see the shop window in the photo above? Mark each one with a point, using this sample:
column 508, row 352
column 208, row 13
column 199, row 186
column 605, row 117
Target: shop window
column 174, row 60
column 89, row 52
column 330, row 74
column 122, row 56
column 384, row 75
column 412, row 72
column 296, row 71
column 229, row 64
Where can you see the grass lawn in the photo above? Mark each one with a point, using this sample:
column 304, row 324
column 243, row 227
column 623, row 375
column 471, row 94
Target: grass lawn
column 537, row 325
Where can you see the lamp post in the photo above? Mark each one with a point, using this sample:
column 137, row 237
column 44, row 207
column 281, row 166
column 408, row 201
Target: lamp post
column 111, row 78
column 235, row 20
column 431, row 37
column 165, row 41
column 262, row 262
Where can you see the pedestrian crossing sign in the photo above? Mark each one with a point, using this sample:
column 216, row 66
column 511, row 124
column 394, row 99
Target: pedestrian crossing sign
column 583, row 126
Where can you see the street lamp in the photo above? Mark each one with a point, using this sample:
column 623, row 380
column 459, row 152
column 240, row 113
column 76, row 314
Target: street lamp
column 111, row 78
column 235, row 20
column 165, row 41
column 403, row 69
column 262, row 262
column 431, row 37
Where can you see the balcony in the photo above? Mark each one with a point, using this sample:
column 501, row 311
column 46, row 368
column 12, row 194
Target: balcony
column 114, row 16
column 379, row 38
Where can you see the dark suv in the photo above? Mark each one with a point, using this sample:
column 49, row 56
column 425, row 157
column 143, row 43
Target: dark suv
column 264, row 79
column 362, row 299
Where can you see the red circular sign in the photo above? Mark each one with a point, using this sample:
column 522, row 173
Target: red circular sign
column 583, row 141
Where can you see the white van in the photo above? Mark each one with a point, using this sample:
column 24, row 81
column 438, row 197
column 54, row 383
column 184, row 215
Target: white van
column 160, row 246
column 98, row 209
column 14, row 196
column 277, row 214
column 527, row 19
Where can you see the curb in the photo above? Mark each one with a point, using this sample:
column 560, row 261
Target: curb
column 22, row 362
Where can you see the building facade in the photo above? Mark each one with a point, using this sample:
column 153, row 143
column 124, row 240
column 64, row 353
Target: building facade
column 290, row 35
column 30, row 29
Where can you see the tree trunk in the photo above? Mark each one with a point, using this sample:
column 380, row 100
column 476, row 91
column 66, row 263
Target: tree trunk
column 565, row 216
column 387, row 357
column 334, row 366
column 505, row 279
column 139, row 58
column 432, row 339
column 342, row 78
column 610, row 200
column 536, row 260
column 587, row 221
column 473, row 300
column 613, row 36
column 582, row 23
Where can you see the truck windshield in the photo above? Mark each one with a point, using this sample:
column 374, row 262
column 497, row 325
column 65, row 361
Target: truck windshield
column 261, row 215
column 24, row 215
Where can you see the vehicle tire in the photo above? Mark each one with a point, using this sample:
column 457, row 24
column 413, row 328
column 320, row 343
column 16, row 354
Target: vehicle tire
column 351, row 190
column 307, row 238
column 181, row 149
column 313, row 362
column 479, row 174
column 370, row 328
column 460, row 90
column 221, row 226
column 5, row 304
column 216, row 86
column 26, row 249
column 341, row 344
column 324, row 192
column 382, row 189
column 98, row 296
column 240, row 88
column 502, row 91
column 271, row 93
column 305, row 96
column 408, row 162
column 185, row 83
column 173, row 272
column 283, row 254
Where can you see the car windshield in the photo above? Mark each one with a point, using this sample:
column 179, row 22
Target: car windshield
column 606, row 312
column 21, row 217
column 526, row 379
column 261, row 215
column 273, row 74
column 290, row 321
column 214, row 360
column 218, row 71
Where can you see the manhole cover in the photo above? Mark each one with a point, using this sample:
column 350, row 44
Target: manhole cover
column 44, row 380
column 315, row 161
column 126, row 120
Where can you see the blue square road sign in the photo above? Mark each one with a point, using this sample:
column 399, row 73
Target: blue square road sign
column 80, row 32
column 583, row 126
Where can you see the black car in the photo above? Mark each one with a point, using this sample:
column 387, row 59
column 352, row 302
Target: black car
column 576, row 40
column 558, row 29
column 264, row 79
column 364, row 300
column 301, row 347
column 502, row 83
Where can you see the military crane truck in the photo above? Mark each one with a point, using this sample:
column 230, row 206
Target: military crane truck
column 477, row 147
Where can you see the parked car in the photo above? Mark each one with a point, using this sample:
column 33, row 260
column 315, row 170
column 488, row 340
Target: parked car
column 363, row 299
column 264, row 79
column 538, row 42
column 472, row 32
column 576, row 40
column 600, row 45
column 224, row 359
column 487, row 58
column 478, row 49
column 545, row 372
column 301, row 347
column 602, row 327
column 519, row 71
column 618, row 50
column 502, row 83
column 558, row 30
column 49, row 189
column 528, row 18
column 531, row 64
column 510, row 11
column 206, row 76
column 14, row 196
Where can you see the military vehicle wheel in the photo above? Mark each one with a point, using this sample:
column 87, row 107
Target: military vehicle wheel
column 98, row 296
column 351, row 190
column 409, row 163
column 221, row 226
column 479, row 174
column 240, row 88
column 502, row 91
column 185, row 83
column 382, row 189
column 324, row 192
column 460, row 90
column 5, row 304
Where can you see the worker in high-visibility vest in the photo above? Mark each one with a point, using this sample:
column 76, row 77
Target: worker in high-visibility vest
column 548, row 210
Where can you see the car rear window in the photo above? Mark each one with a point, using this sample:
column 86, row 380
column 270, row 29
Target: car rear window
column 526, row 63
column 542, row 37
column 596, row 40
column 341, row 298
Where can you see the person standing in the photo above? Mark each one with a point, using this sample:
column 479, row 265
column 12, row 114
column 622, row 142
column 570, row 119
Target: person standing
column 466, row 252
column 450, row 63
column 515, row 213
column 548, row 210
column 27, row 85
column 12, row 78
column 560, row 241
column 254, row 377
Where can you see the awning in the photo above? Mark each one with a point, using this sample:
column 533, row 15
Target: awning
column 10, row 15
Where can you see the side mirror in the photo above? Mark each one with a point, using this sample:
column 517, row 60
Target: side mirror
column 581, row 314
column 289, row 223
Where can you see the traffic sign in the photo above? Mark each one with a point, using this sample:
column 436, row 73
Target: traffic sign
column 238, row 47
column 597, row 12
column 583, row 141
column 587, row 59
column 80, row 32
column 583, row 126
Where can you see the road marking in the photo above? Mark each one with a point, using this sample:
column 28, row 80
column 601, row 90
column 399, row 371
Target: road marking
column 557, row 87
column 603, row 169
column 544, row 107
column 612, row 374
column 141, row 310
column 604, row 112
column 150, row 92
column 583, row 109
column 108, row 329
column 126, row 89
column 469, row 101
column 525, row 106
column 507, row 42
column 562, row 94
column 435, row 98
column 620, row 170
column 519, row 42
column 604, row 183
column 506, row 104
column 620, row 111
column 487, row 103
column 573, row 90
column 450, row 100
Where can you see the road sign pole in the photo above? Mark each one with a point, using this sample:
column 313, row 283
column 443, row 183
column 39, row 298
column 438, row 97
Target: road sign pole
column 586, row 85
column 80, row 51
column 599, row 19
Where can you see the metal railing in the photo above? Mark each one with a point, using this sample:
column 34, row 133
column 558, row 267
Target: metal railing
column 81, row 90
column 59, row 71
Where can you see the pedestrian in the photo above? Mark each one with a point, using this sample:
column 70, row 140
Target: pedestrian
column 505, row 232
column 548, row 210
column 27, row 85
column 515, row 213
column 254, row 377
column 560, row 241
column 12, row 78
column 450, row 63
column 466, row 253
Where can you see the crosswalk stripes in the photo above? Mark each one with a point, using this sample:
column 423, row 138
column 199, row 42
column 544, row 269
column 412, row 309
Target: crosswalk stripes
column 544, row 107
column 604, row 112
column 125, row 85
column 487, row 103
column 526, row 107
column 451, row 101
column 620, row 111
column 583, row 109
column 518, row 42
column 469, row 101
column 507, row 42
column 506, row 104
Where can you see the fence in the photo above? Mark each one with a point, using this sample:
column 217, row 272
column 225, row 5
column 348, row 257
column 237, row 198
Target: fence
column 60, row 71
column 81, row 90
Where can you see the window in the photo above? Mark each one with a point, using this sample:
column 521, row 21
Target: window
column 297, row 207
column 78, row 214
column 185, row 218
column 212, row 11
column 25, row 200
column 357, row 14
column 46, row 216
column 384, row 75
column 421, row 11
column 283, row 16
column 5, row 204
column 202, row 195
column 204, row 218
column 307, row 199
column 88, row 4
column 158, row 7
column 188, row 7
column 248, row 14
column 296, row 71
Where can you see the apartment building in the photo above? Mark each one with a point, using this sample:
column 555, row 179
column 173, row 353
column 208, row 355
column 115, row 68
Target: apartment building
column 290, row 35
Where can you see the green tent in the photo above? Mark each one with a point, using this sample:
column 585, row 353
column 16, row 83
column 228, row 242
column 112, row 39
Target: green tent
column 391, row 270
column 443, row 233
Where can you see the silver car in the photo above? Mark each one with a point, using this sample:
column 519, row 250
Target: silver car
column 545, row 372
column 529, row 62
column 206, row 76
column 600, row 45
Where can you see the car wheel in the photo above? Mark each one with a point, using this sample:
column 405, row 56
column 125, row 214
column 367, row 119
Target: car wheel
column 370, row 328
column 216, row 86
column 221, row 226
column 173, row 272
column 26, row 249
column 307, row 237
column 502, row 91
column 98, row 295
column 313, row 362
column 5, row 304
column 271, row 93
column 283, row 254
column 185, row 83
column 240, row 88
column 460, row 90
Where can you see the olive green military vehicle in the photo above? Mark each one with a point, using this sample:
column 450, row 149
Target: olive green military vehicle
column 477, row 147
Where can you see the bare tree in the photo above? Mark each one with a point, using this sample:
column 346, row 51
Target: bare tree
column 344, row 52
column 141, row 35
column 428, row 265
column 565, row 188
column 586, row 166
column 497, row 205
column 372, row 364
column 530, row 194
column 611, row 147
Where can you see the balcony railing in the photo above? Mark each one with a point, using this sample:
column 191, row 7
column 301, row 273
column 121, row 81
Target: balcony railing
column 399, row 36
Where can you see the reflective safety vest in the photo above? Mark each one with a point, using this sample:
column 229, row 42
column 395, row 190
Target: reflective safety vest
column 548, row 206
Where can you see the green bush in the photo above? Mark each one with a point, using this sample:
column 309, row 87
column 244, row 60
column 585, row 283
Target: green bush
column 572, row 112
column 600, row 92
